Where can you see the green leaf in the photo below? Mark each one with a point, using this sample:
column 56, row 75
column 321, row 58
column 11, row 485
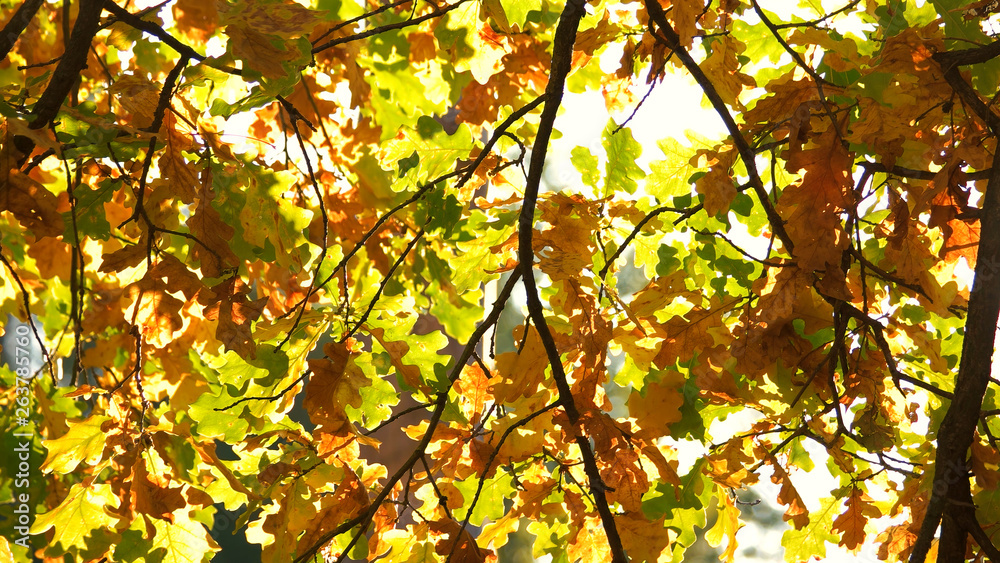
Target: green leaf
column 91, row 219
column 586, row 163
column 802, row 545
column 621, row 170
column 517, row 12
column 496, row 490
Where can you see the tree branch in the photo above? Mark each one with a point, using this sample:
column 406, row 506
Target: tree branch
column 562, row 60
column 151, row 28
column 955, row 435
column 670, row 38
column 16, row 26
column 389, row 27
column 72, row 63
column 364, row 519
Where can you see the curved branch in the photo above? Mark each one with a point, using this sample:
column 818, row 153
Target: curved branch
column 151, row 28
column 672, row 41
column 389, row 27
column 635, row 232
column 364, row 16
column 562, row 60
column 381, row 286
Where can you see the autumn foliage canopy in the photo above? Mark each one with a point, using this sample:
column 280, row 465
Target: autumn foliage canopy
column 297, row 260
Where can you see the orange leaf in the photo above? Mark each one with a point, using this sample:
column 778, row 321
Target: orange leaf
column 627, row 478
column 718, row 185
column 644, row 540
column 157, row 312
column 473, row 388
column 813, row 204
column 52, row 256
column 196, row 18
column 235, row 314
column 151, row 493
column 522, row 373
column 335, row 383
column 397, row 351
column 796, row 511
column 212, row 232
column 32, row 205
column 684, row 15
column 851, row 524
column 466, row 550
column 258, row 51
column 590, row 544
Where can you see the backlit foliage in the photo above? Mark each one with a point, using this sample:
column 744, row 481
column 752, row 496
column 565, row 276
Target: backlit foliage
column 267, row 246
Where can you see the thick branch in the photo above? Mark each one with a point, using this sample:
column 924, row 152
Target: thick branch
column 950, row 65
column 72, row 63
column 968, row 56
column 562, row 60
column 916, row 174
column 151, row 28
column 954, row 437
column 16, row 26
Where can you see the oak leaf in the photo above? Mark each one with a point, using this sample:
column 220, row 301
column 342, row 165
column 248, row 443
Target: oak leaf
column 32, row 205
column 259, row 51
column 151, row 494
column 196, row 18
column 645, row 540
column 723, row 68
column 139, row 96
column 851, row 524
column 727, row 524
column 658, row 405
column 157, row 313
column 459, row 543
column 335, row 384
column 625, row 479
column 236, row 315
column 717, row 185
column 684, row 15
column 795, row 511
column 521, row 374
column 812, row 205
column 589, row 543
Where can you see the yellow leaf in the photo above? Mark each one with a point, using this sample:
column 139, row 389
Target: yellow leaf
column 723, row 67
column 726, row 526
column 659, row 406
column 493, row 10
